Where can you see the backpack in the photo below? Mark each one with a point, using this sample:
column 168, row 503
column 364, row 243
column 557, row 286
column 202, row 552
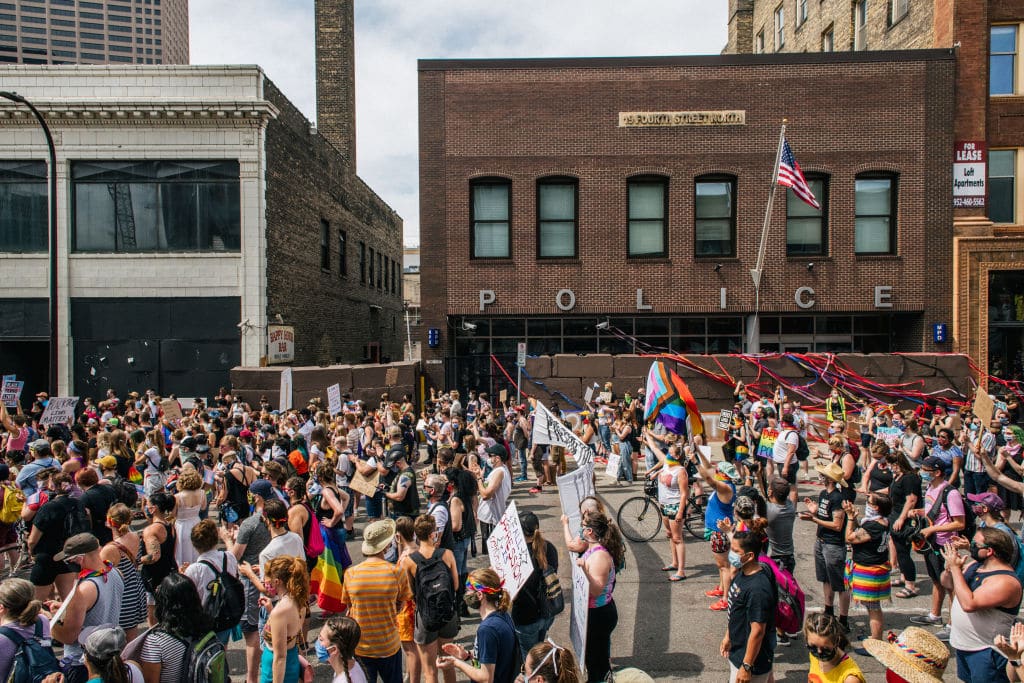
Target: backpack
column 76, row 522
column 435, row 594
column 970, row 522
column 226, row 603
column 553, row 592
column 34, row 659
column 205, row 660
column 125, row 490
column 789, row 611
column 14, row 501
column 314, row 545
column 803, row 451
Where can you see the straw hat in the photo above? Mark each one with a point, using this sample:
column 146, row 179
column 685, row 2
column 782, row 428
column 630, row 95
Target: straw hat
column 832, row 471
column 915, row 655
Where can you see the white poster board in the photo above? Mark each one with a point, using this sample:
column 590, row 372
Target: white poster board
column 172, row 411
column 334, row 399
column 613, row 465
column 285, row 400
column 588, row 395
column 572, row 489
column 10, row 393
column 509, row 552
column 548, row 430
column 724, row 419
column 59, row 410
column 578, row 618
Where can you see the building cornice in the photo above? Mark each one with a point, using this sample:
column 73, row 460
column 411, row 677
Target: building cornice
column 138, row 111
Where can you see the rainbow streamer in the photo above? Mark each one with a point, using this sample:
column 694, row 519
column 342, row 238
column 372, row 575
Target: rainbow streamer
column 670, row 402
column 134, row 476
column 325, row 580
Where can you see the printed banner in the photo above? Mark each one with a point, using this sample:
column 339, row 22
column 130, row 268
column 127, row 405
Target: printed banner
column 10, row 394
column 509, row 552
column 334, row 399
column 548, row 430
column 890, row 435
column 59, row 410
column 724, row 419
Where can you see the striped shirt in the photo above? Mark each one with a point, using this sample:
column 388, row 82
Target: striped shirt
column 372, row 590
column 988, row 444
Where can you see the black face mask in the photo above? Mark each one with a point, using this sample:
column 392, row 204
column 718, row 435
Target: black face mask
column 975, row 552
column 825, row 654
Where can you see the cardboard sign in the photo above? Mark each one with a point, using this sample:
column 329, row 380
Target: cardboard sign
column 588, row 395
column 285, row 401
column 724, row 419
column 172, row 411
column 365, row 485
column 10, row 393
column 391, row 377
column 578, row 615
column 59, row 410
column 503, row 396
column 509, row 552
column 606, row 396
column 334, row 399
column 983, row 406
column 614, row 459
column 572, row 489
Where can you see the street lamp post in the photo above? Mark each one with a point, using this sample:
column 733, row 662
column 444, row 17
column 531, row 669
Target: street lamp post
column 52, row 176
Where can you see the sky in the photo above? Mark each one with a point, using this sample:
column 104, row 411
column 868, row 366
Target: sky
column 392, row 34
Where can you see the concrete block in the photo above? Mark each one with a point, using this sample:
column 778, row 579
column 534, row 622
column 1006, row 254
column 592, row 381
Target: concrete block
column 538, row 367
column 318, row 379
column 783, row 367
column 919, row 365
column 632, row 366
column 255, row 379
column 954, row 365
column 858, row 363
column 569, row 386
column 596, row 365
column 890, row 368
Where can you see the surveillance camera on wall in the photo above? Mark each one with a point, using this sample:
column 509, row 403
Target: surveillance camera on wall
column 604, row 325
column 468, row 327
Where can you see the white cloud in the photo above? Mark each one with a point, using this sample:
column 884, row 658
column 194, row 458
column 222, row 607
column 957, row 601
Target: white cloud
column 392, row 34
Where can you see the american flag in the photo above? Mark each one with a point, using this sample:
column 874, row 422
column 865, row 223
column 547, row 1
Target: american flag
column 791, row 176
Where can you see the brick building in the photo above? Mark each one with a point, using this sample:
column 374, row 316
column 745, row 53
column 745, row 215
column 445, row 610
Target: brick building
column 988, row 218
column 98, row 32
column 195, row 206
column 560, row 194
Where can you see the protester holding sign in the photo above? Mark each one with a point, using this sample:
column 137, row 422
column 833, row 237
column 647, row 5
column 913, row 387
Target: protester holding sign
column 604, row 556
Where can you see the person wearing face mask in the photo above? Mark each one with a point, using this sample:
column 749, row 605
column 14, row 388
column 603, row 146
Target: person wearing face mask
column 494, row 648
column 826, row 645
column 986, row 599
column 976, row 439
column 121, row 552
column 158, row 538
column 830, row 542
column 946, row 450
column 869, row 574
column 336, row 645
column 912, row 444
column 1011, row 488
column 835, row 406
column 905, row 494
column 494, row 491
column 601, row 561
column 749, row 642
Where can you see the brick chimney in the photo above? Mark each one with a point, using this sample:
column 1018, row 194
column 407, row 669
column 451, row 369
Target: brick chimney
column 336, row 76
column 741, row 27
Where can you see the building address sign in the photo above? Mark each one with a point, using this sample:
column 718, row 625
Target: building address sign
column 803, row 297
column 663, row 119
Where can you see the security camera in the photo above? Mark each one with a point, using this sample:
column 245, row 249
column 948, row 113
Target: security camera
column 718, row 267
column 810, row 266
column 604, row 325
column 468, row 327
column 278, row 319
column 244, row 324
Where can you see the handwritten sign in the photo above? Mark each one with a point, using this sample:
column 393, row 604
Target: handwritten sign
column 59, row 410
column 365, row 485
column 890, row 435
column 613, row 465
column 548, row 430
column 334, row 399
column 606, row 396
column 983, row 406
column 10, row 394
column 502, row 396
column 724, row 419
column 285, row 402
column 171, row 409
column 578, row 617
column 509, row 552
column 391, row 377
column 766, row 445
column 572, row 489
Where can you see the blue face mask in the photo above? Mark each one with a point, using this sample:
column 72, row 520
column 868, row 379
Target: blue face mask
column 322, row 653
column 735, row 560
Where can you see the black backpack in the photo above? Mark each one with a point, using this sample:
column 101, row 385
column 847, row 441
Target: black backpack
column 34, row 659
column 76, row 522
column 435, row 594
column 226, row 603
column 125, row 490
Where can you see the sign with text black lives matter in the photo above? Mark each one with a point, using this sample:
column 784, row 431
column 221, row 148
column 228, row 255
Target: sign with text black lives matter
column 970, row 174
column 59, row 410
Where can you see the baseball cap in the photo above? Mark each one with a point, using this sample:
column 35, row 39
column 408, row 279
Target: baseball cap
column 744, row 506
column 245, row 434
column 933, row 463
column 989, row 500
column 40, row 446
column 79, row 544
column 499, row 450
column 262, row 488
column 105, row 642
column 189, row 443
column 107, row 462
column 113, row 422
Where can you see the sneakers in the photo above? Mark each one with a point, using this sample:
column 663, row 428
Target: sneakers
column 518, row 479
column 782, row 640
column 536, row 489
column 926, row 620
column 715, row 592
column 943, row 634
column 719, row 606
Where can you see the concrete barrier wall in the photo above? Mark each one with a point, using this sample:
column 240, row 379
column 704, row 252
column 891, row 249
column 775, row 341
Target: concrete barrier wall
column 363, row 382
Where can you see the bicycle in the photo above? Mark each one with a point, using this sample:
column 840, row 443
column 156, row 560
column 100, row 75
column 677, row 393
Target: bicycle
column 639, row 518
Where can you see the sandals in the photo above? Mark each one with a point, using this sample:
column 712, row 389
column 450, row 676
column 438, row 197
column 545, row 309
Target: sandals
column 677, row 577
column 907, row 593
column 668, row 568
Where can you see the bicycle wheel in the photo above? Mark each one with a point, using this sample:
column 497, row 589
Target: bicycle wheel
column 693, row 520
column 639, row 519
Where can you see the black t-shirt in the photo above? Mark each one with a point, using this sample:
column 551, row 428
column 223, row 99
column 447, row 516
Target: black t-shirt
column 875, row 551
column 829, row 503
column 752, row 599
column 531, row 600
column 51, row 520
column 903, row 487
column 880, row 478
column 97, row 502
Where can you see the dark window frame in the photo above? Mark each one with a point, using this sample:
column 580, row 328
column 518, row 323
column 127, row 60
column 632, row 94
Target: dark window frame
column 734, row 193
column 29, row 172
column 893, row 211
column 325, row 246
column 823, row 200
column 362, row 263
column 649, row 179
column 342, row 254
column 484, row 182
column 559, row 181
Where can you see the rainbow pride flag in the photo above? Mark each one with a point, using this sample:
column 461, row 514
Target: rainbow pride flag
column 670, row 402
column 134, row 476
column 326, row 578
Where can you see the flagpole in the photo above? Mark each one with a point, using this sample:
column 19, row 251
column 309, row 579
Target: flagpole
column 754, row 337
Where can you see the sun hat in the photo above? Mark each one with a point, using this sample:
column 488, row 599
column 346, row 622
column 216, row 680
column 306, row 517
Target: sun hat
column 377, row 536
column 833, row 471
column 79, row 544
column 632, row 675
column 989, row 500
column 915, row 655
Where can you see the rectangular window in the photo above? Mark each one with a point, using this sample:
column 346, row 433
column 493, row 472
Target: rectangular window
column 24, row 211
column 1002, row 185
column 715, row 216
column 362, row 263
column 380, row 269
column 759, row 43
column 556, row 219
column 325, row 246
column 801, row 12
column 806, row 227
column 342, row 253
column 140, row 206
column 780, row 28
column 860, row 24
column 648, row 217
column 490, row 212
column 394, row 277
column 828, row 40
column 897, row 10
column 875, row 222
column 1002, row 63
column 373, row 264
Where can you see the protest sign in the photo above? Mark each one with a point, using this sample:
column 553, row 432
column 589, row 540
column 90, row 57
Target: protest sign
column 172, row 411
column 613, row 465
column 285, row 400
column 508, row 551
column 365, row 485
column 391, row 377
column 572, row 489
column 334, row 399
column 606, row 396
column 983, row 406
column 10, row 393
column 190, row 403
column 588, row 395
column 7, row 377
column 890, row 435
column 578, row 620
column 1000, row 405
column 502, row 396
column 548, row 430
column 724, row 419
column 59, row 410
